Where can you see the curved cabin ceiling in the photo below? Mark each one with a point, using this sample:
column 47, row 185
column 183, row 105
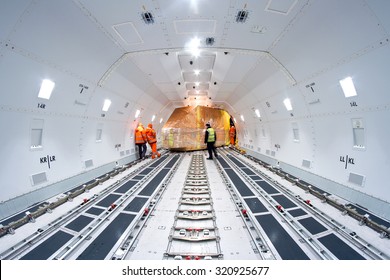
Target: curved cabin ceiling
column 252, row 57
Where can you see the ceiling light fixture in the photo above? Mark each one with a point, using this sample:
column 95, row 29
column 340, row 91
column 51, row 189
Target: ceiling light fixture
column 287, row 104
column 348, row 87
column 193, row 47
column 46, row 89
column 106, row 105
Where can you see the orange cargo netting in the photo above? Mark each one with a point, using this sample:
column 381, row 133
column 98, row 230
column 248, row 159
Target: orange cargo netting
column 185, row 128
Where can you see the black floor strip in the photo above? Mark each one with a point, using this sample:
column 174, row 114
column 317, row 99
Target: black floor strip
column 223, row 162
column 136, row 204
column 48, row 247
column 154, row 183
column 266, row 187
column 94, row 211
column 284, row 201
column 339, row 248
column 282, row 241
column 255, row 205
column 126, row 187
column 79, row 223
column 312, row 225
column 104, row 243
column 238, row 183
column 108, row 200
column 297, row 212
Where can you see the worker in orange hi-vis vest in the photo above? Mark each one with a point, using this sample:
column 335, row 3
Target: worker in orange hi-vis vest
column 140, row 140
column 151, row 138
column 232, row 134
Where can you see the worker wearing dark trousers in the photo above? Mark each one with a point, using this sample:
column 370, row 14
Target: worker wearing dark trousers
column 210, row 139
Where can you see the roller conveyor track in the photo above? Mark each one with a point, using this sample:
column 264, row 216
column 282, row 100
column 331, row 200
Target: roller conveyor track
column 105, row 224
column 224, row 209
column 194, row 234
column 276, row 211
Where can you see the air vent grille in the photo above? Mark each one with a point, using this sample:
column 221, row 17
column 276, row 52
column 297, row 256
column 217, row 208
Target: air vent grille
column 148, row 18
column 306, row 163
column 88, row 163
column 356, row 179
column 242, row 16
column 38, row 178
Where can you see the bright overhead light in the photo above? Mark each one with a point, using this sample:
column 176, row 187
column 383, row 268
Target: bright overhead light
column 197, row 84
column 46, row 89
column 161, row 120
column 197, row 72
column 287, row 103
column 154, row 116
column 348, row 87
column 193, row 46
column 137, row 113
column 257, row 113
column 242, row 118
column 106, row 105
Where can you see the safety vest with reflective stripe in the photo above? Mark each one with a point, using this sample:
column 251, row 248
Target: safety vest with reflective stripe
column 150, row 135
column 140, row 136
column 211, row 135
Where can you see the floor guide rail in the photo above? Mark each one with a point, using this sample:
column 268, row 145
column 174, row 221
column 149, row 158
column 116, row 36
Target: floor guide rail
column 184, row 207
column 96, row 229
column 194, row 234
column 291, row 228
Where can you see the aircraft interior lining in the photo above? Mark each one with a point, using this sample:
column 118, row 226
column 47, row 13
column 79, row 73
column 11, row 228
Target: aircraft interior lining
column 304, row 82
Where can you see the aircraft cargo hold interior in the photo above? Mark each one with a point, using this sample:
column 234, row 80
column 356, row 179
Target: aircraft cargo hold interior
column 249, row 135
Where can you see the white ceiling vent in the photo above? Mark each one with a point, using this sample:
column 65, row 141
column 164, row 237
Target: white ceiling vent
column 200, row 26
column 280, row 6
column 204, row 62
column 190, row 77
column 128, row 33
column 193, row 86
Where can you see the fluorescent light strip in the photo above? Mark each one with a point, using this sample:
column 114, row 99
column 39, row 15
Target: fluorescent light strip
column 106, row 105
column 287, row 104
column 348, row 87
column 46, row 89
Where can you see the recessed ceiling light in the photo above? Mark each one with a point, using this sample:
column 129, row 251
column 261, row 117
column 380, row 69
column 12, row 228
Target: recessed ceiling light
column 348, row 87
column 46, row 89
column 106, row 105
column 287, row 104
